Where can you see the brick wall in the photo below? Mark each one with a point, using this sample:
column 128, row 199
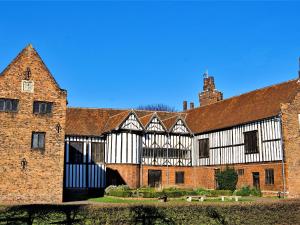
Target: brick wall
column 118, row 174
column 291, row 138
column 205, row 176
column 42, row 179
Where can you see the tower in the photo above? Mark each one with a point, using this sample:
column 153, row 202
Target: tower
column 209, row 94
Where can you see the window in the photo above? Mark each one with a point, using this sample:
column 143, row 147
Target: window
column 9, row 105
column 98, row 152
column 42, row 107
column 38, row 140
column 179, row 177
column 269, row 176
column 75, row 152
column 204, row 148
column 251, row 145
column 240, row 172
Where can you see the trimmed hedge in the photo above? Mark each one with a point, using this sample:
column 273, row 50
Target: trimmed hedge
column 124, row 191
column 279, row 212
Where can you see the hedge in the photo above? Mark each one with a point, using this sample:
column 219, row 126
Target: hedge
column 279, row 212
column 124, row 191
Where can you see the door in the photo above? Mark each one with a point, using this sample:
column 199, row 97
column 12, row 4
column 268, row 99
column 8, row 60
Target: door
column 154, row 178
column 256, row 183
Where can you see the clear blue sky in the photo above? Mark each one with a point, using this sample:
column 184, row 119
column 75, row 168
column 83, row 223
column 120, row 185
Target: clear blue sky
column 126, row 54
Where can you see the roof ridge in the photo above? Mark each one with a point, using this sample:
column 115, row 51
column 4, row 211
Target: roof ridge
column 236, row 96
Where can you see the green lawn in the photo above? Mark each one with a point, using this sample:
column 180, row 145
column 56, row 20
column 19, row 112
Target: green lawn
column 111, row 199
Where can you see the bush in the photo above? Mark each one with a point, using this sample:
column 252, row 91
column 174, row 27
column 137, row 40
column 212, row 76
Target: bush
column 118, row 191
column 201, row 191
column 216, row 193
column 247, row 191
column 256, row 192
column 244, row 191
column 227, row 179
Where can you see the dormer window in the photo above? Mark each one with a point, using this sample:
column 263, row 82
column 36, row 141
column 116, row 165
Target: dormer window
column 42, row 107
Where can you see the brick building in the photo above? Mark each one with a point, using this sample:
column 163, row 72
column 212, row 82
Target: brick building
column 49, row 150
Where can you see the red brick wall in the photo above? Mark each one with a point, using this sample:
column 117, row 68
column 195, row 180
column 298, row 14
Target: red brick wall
column 291, row 138
column 205, row 176
column 42, row 179
column 123, row 174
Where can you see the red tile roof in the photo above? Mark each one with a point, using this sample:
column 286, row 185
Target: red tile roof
column 255, row 105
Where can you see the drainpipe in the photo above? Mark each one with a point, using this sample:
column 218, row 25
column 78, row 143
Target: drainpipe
column 282, row 154
column 168, row 135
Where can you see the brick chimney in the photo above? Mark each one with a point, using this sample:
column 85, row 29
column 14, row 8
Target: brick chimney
column 184, row 105
column 192, row 105
column 209, row 94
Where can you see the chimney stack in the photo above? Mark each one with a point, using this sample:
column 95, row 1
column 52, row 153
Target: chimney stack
column 184, row 105
column 191, row 105
column 210, row 94
column 299, row 70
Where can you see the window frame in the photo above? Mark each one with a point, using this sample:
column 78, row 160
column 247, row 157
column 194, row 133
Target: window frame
column 206, row 151
column 38, row 141
column 240, row 172
column 74, row 159
column 14, row 105
column 179, row 179
column 248, row 145
column 101, row 153
column 269, row 176
column 48, row 108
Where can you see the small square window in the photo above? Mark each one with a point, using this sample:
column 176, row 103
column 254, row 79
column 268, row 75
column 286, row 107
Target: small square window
column 179, row 177
column 38, row 140
column 240, row 172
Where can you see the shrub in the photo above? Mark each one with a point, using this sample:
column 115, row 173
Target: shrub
column 118, row 191
column 244, row 191
column 201, row 191
column 109, row 189
column 256, row 192
column 247, row 191
column 216, row 193
column 227, row 179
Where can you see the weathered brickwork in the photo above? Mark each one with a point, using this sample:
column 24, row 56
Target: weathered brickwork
column 291, row 138
column 204, row 176
column 41, row 180
column 123, row 174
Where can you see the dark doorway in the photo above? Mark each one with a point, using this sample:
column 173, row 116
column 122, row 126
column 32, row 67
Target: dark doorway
column 154, row 178
column 256, row 183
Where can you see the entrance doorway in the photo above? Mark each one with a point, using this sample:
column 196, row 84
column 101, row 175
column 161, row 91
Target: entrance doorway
column 154, row 178
column 256, row 182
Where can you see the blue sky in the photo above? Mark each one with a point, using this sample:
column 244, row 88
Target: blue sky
column 126, row 54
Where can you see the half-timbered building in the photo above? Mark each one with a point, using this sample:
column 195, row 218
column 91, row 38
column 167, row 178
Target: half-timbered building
column 257, row 133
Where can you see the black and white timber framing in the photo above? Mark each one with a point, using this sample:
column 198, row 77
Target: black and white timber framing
column 131, row 143
column 227, row 146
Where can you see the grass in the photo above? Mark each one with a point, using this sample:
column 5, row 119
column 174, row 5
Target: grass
column 111, row 199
